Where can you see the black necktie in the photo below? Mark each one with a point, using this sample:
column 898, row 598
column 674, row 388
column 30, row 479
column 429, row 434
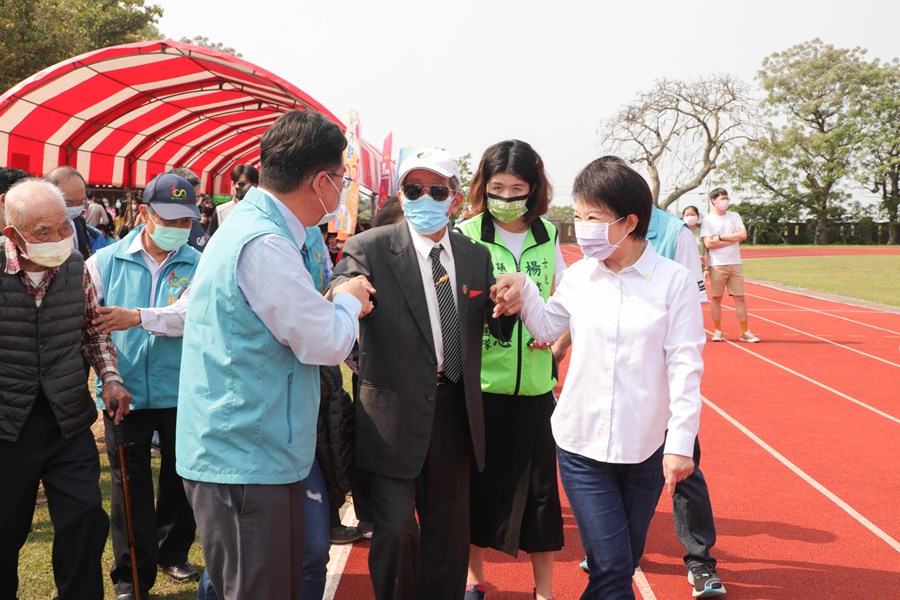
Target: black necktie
column 449, row 320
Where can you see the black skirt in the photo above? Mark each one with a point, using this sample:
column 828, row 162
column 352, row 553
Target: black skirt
column 515, row 500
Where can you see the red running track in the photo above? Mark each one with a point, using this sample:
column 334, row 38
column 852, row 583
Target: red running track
column 801, row 439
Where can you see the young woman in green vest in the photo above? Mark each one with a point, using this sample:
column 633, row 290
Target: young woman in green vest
column 515, row 500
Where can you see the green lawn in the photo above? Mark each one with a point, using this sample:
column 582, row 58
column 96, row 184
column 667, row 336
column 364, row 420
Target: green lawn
column 35, row 568
column 36, row 571
column 872, row 278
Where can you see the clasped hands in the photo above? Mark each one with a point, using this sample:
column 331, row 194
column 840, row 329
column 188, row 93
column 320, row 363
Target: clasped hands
column 361, row 289
column 506, row 294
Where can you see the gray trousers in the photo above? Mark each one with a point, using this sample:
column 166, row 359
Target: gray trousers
column 252, row 537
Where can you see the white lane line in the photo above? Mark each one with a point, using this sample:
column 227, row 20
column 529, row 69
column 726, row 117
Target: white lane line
column 812, row 335
column 743, row 348
column 643, row 586
column 822, row 312
column 884, row 536
column 337, row 557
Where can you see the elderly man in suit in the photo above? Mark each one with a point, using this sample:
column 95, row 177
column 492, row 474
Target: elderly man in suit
column 419, row 416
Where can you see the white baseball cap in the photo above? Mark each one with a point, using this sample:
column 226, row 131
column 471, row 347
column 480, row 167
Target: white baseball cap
column 430, row 159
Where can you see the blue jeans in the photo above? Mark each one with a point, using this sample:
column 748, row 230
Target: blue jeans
column 316, row 541
column 613, row 505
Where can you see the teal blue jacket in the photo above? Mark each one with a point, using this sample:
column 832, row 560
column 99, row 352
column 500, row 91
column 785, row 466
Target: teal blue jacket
column 663, row 232
column 247, row 406
column 149, row 364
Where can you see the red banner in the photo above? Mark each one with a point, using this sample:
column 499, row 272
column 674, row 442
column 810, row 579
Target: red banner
column 386, row 171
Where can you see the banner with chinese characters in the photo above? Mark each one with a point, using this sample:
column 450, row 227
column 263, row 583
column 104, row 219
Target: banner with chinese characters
column 385, row 189
column 344, row 224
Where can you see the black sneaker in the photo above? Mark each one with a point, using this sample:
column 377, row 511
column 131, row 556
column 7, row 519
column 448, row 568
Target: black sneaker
column 344, row 534
column 706, row 582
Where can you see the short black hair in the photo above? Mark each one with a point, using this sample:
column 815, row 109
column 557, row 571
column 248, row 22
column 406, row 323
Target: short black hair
column 719, row 191
column 10, row 176
column 298, row 145
column 249, row 171
column 690, row 207
column 609, row 182
column 390, row 212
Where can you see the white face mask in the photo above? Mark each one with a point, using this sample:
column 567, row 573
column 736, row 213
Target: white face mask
column 722, row 204
column 691, row 220
column 329, row 216
column 48, row 254
column 593, row 238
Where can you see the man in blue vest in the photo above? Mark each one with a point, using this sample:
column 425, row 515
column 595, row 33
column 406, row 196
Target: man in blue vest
column 139, row 280
column 255, row 331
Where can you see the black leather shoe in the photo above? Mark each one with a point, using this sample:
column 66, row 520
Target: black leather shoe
column 126, row 597
column 180, row 573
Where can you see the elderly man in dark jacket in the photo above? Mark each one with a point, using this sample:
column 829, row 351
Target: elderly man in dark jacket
column 47, row 304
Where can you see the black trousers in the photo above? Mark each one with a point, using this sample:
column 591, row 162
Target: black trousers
column 427, row 561
column 70, row 472
column 163, row 533
column 693, row 516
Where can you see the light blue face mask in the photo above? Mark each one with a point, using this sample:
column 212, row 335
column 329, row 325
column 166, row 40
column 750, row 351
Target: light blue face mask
column 425, row 214
column 170, row 238
column 75, row 211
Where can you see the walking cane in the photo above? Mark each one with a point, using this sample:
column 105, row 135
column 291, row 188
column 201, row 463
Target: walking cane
column 120, row 438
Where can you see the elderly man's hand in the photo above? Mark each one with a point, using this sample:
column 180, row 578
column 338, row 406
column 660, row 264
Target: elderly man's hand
column 676, row 469
column 361, row 289
column 507, row 294
column 114, row 389
column 116, row 318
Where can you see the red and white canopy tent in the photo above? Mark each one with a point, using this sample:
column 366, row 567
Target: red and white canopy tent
column 122, row 115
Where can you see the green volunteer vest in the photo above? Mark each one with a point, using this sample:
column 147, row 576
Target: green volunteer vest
column 513, row 368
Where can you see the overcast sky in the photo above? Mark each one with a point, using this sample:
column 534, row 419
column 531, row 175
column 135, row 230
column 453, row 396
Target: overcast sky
column 465, row 74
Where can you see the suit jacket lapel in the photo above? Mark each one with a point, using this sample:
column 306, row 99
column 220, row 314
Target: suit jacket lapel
column 462, row 261
column 405, row 265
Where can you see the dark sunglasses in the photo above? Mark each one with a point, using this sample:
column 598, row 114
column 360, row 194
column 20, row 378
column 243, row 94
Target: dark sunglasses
column 413, row 191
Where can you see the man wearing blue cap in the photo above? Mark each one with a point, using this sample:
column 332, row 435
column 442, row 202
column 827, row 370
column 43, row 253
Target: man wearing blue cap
column 139, row 279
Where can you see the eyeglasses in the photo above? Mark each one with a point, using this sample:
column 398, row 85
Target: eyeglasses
column 413, row 191
column 345, row 181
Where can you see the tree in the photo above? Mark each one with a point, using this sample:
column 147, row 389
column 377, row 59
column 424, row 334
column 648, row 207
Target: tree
column 35, row 34
column 683, row 129
column 464, row 163
column 814, row 89
column 563, row 214
column 202, row 40
column 878, row 119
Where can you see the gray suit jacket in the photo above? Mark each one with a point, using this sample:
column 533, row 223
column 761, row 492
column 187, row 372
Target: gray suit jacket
column 397, row 360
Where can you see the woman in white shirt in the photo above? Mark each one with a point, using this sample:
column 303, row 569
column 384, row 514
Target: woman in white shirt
column 630, row 406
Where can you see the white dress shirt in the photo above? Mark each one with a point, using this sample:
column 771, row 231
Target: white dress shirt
column 159, row 320
column 274, row 281
column 423, row 246
column 635, row 367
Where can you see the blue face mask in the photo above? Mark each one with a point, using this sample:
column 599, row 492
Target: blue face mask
column 169, row 238
column 425, row 214
column 74, row 211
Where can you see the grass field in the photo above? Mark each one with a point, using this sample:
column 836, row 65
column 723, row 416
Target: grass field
column 872, row 278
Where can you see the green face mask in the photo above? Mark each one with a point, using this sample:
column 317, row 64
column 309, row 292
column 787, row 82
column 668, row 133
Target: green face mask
column 507, row 210
column 169, row 238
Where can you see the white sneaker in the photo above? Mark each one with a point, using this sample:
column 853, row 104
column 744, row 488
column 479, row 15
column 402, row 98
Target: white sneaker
column 718, row 337
column 749, row 337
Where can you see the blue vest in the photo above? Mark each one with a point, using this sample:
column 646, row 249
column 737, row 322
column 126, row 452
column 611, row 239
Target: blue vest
column 314, row 255
column 149, row 364
column 663, row 232
column 247, row 407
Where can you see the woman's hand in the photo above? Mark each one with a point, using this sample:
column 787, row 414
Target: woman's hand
column 676, row 468
column 506, row 294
